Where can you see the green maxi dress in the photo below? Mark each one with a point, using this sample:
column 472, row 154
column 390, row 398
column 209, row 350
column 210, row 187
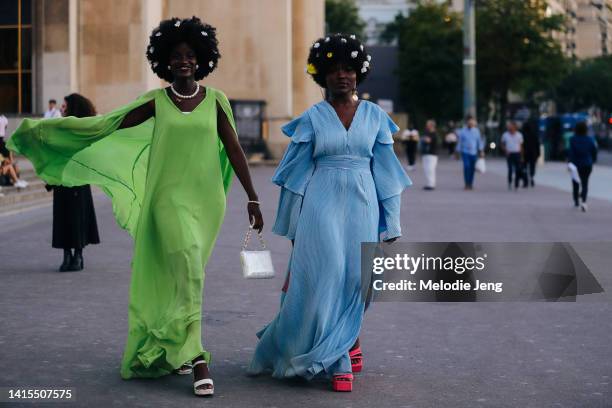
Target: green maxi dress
column 168, row 179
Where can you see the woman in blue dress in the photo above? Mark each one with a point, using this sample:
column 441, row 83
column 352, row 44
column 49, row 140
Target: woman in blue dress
column 341, row 185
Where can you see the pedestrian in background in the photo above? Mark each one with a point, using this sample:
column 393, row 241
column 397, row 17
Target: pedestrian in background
column 583, row 154
column 512, row 143
column 8, row 159
column 74, row 215
column 3, row 126
column 9, row 172
column 8, row 156
column 52, row 111
column 531, row 151
column 470, row 146
column 410, row 139
column 428, row 147
column 451, row 138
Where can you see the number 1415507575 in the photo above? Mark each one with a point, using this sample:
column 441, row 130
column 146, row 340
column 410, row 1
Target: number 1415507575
column 39, row 393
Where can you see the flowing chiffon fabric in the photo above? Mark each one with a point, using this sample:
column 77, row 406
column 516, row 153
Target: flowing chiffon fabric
column 168, row 179
column 339, row 188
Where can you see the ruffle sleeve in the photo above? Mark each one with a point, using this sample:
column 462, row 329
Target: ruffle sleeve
column 389, row 177
column 293, row 174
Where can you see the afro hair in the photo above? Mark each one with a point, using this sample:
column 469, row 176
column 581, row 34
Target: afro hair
column 337, row 49
column 199, row 36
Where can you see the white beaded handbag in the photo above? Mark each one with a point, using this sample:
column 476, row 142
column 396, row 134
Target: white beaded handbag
column 256, row 264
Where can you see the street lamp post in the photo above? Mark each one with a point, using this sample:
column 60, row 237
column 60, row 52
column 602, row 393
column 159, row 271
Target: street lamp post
column 469, row 59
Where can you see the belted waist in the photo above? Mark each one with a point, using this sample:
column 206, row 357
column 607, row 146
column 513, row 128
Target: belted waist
column 344, row 161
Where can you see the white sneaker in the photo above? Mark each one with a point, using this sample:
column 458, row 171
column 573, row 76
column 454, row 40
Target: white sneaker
column 21, row 184
column 584, row 207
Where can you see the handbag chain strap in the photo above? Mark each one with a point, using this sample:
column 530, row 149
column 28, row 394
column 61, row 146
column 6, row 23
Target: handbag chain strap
column 247, row 238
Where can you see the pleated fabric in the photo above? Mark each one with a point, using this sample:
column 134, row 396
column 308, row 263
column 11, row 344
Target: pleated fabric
column 339, row 188
column 168, row 179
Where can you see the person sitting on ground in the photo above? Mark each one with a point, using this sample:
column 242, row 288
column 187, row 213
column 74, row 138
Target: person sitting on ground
column 8, row 155
column 8, row 173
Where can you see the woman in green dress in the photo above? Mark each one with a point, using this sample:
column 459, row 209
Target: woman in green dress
column 166, row 161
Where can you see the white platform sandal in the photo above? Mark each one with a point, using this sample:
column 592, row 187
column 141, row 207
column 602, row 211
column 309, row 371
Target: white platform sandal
column 184, row 369
column 196, row 384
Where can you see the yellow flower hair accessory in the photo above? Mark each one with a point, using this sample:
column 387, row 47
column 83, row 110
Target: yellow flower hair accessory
column 330, row 54
column 311, row 69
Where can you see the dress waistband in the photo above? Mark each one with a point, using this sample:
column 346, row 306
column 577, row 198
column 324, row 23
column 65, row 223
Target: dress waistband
column 344, row 161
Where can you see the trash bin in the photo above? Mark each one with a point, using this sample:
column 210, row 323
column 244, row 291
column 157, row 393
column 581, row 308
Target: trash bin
column 249, row 115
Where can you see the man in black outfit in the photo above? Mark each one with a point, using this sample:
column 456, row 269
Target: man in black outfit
column 531, row 146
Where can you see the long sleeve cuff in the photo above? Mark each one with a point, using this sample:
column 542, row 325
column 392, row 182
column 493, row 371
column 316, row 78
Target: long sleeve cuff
column 287, row 214
column 391, row 213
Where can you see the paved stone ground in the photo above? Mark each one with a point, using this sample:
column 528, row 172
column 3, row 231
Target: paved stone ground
column 68, row 329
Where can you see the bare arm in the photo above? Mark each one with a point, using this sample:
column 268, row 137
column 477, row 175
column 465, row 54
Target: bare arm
column 239, row 163
column 138, row 115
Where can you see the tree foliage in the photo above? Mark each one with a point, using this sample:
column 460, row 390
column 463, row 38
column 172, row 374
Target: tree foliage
column 430, row 70
column 342, row 16
column 587, row 84
column 515, row 50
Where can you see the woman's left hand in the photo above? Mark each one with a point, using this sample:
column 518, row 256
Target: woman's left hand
column 255, row 217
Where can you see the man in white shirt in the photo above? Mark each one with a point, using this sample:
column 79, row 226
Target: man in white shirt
column 512, row 142
column 3, row 125
column 52, row 112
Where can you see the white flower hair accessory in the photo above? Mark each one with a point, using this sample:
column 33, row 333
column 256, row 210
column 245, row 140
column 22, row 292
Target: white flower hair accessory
column 211, row 64
column 366, row 64
column 352, row 36
column 361, row 47
column 326, row 39
column 369, row 58
column 158, row 34
column 316, row 45
column 155, row 64
column 204, row 33
column 151, row 49
column 178, row 23
column 343, row 40
column 364, row 70
column 354, row 54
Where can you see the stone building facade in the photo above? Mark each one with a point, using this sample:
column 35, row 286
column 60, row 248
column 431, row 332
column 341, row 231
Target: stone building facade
column 97, row 48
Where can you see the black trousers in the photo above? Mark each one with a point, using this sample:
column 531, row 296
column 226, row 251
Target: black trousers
column 411, row 149
column 514, row 167
column 529, row 169
column 583, row 172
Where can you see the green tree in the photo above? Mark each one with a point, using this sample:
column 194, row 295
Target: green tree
column 342, row 16
column 430, row 53
column 515, row 51
column 587, row 84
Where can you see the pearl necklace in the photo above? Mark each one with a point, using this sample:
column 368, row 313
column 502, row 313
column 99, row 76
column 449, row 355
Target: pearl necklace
column 181, row 96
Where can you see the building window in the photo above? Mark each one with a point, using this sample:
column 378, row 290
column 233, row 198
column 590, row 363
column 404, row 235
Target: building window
column 16, row 56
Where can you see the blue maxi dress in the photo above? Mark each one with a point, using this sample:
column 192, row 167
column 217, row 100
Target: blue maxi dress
column 338, row 188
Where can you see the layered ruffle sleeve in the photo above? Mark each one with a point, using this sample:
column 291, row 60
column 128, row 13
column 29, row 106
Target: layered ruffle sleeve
column 293, row 174
column 389, row 177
